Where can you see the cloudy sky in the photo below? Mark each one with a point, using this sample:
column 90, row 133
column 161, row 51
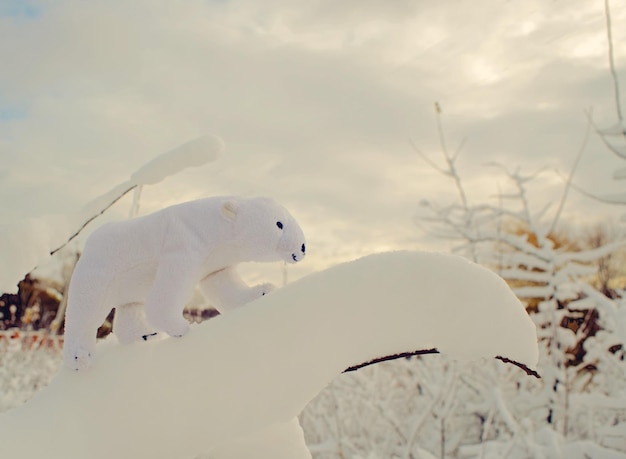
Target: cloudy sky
column 315, row 100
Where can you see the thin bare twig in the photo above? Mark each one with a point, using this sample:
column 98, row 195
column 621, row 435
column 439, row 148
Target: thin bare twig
column 450, row 160
column 568, row 183
column 430, row 162
column 92, row 219
column 606, row 199
column 459, row 148
column 609, row 33
column 612, row 148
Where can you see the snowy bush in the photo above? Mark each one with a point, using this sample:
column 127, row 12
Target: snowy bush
column 28, row 361
column 580, row 328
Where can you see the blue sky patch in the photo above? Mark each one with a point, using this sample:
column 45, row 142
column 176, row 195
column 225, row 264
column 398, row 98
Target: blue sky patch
column 18, row 9
column 8, row 113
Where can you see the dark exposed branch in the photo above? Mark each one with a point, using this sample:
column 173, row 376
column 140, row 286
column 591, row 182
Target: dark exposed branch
column 404, row 355
column 391, row 357
column 528, row 371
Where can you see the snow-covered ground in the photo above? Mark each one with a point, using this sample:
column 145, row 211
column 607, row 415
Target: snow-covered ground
column 233, row 386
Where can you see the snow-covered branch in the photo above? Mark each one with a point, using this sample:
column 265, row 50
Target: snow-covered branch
column 404, row 355
column 273, row 355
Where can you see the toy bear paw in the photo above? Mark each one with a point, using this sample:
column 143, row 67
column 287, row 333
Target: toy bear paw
column 264, row 289
column 178, row 329
column 81, row 361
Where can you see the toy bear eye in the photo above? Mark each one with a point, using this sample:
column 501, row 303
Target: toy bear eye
column 279, row 224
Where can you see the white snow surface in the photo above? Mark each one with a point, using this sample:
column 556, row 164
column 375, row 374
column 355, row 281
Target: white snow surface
column 258, row 366
column 282, row 440
column 28, row 243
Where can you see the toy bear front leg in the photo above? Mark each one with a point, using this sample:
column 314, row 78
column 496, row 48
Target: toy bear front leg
column 130, row 325
column 80, row 337
column 173, row 286
column 78, row 352
column 226, row 290
column 87, row 309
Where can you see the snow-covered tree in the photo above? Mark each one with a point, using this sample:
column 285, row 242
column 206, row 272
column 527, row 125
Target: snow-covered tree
column 576, row 327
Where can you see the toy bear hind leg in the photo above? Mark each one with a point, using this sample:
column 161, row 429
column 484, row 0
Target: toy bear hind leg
column 171, row 290
column 226, row 290
column 130, row 325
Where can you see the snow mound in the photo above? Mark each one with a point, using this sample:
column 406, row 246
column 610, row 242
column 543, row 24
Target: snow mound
column 259, row 365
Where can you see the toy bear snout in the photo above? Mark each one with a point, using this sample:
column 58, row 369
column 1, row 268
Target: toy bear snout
column 297, row 256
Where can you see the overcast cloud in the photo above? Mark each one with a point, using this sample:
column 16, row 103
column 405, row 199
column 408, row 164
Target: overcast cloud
column 316, row 102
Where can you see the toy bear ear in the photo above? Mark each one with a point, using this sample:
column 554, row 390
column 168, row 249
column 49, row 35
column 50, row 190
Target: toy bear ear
column 229, row 210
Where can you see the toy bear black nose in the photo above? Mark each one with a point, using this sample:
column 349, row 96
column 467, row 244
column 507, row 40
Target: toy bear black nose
column 303, row 248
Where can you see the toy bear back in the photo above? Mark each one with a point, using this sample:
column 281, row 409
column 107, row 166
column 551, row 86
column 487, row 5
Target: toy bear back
column 148, row 267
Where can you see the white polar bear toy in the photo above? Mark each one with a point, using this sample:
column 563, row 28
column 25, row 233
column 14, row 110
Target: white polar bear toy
column 147, row 268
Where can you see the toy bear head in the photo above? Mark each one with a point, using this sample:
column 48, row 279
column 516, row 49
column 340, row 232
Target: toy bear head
column 264, row 230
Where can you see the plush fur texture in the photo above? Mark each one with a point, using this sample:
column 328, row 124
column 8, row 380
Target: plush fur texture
column 148, row 267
